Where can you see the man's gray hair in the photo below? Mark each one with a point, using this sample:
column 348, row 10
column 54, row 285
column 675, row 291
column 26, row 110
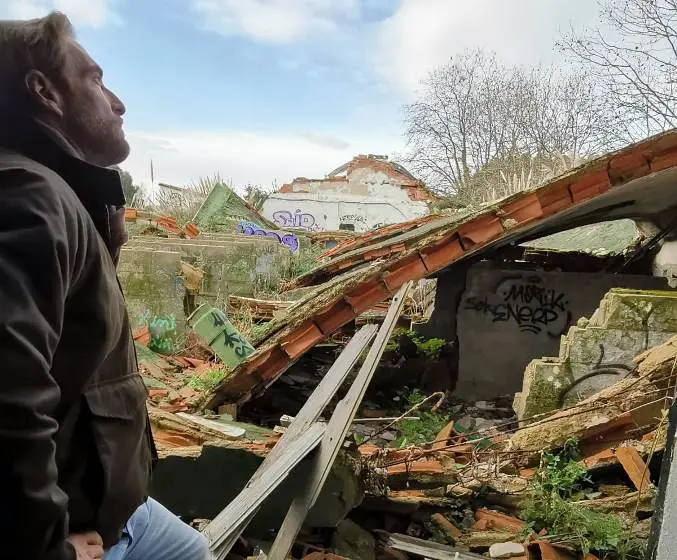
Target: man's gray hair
column 25, row 45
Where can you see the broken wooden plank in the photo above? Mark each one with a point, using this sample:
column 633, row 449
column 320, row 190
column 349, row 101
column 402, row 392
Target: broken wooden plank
column 305, row 420
column 325, row 391
column 634, row 466
column 428, row 549
column 485, row 539
column 335, row 435
column 253, row 495
column 187, row 425
column 234, row 432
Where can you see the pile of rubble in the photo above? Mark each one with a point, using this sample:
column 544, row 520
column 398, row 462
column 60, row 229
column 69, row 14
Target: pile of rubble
column 474, row 491
column 382, row 460
column 475, row 487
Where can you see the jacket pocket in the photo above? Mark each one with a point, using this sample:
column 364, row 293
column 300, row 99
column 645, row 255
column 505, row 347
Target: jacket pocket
column 118, row 423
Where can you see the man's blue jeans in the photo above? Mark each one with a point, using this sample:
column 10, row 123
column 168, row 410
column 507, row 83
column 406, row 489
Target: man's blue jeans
column 154, row 533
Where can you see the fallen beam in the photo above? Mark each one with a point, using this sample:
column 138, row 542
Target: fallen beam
column 428, row 549
column 337, row 429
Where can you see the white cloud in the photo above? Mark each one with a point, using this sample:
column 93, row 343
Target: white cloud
column 93, row 13
column 90, row 13
column 277, row 21
column 423, row 34
column 242, row 157
column 22, row 9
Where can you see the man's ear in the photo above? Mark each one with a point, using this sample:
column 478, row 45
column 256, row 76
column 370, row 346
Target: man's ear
column 44, row 93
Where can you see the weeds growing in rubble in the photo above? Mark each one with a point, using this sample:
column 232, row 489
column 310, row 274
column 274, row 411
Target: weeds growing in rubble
column 429, row 347
column 415, row 432
column 208, row 380
column 551, row 505
column 306, row 260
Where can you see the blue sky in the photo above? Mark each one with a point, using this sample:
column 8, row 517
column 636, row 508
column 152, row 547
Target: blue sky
column 267, row 90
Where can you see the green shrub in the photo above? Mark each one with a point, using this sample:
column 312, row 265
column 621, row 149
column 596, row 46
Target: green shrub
column 550, row 505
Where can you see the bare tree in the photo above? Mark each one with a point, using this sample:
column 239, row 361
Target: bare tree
column 478, row 124
column 634, row 56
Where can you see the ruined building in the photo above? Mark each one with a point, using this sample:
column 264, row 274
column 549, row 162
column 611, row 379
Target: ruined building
column 367, row 192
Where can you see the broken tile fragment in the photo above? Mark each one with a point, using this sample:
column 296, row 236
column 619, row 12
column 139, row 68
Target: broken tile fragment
column 506, row 550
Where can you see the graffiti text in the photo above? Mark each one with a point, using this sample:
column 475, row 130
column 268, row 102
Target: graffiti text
column 288, row 239
column 298, row 219
column 231, row 338
column 526, row 302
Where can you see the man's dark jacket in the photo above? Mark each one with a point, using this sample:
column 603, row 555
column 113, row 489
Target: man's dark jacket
column 75, row 444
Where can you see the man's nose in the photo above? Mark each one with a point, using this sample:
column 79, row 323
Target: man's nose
column 116, row 104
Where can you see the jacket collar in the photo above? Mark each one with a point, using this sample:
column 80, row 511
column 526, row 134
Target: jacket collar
column 95, row 186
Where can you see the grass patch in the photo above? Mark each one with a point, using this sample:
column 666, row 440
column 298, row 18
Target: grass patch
column 208, row 380
column 306, row 260
column 559, row 482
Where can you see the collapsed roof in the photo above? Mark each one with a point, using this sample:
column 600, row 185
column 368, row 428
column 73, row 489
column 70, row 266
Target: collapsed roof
column 636, row 182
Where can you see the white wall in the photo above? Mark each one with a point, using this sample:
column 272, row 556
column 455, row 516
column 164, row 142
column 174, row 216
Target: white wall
column 309, row 212
column 367, row 200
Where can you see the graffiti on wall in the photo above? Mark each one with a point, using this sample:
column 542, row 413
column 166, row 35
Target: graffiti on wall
column 526, row 302
column 162, row 328
column 353, row 218
column 298, row 219
column 231, row 338
column 249, row 228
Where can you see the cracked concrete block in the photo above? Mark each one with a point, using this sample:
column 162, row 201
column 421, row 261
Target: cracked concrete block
column 594, row 345
column 638, row 310
column 599, row 352
column 352, row 541
column 230, row 266
column 544, row 381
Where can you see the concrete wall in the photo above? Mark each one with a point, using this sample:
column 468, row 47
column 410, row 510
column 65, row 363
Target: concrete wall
column 365, row 199
column 150, row 268
column 503, row 318
column 232, row 265
column 154, row 293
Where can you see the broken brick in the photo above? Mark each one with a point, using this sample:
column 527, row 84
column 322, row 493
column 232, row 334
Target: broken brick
column 447, row 527
column 142, row 336
column 412, row 268
column 589, row 186
column 499, row 521
column 635, row 467
column 442, row 254
column 479, row 231
column 301, row 339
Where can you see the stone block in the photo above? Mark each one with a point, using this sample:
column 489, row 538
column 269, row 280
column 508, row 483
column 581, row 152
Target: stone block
column 352, row 541
column 594, row 345
column 638, row 310
column 599, row 352
column 588, row 380
column 544, row 382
